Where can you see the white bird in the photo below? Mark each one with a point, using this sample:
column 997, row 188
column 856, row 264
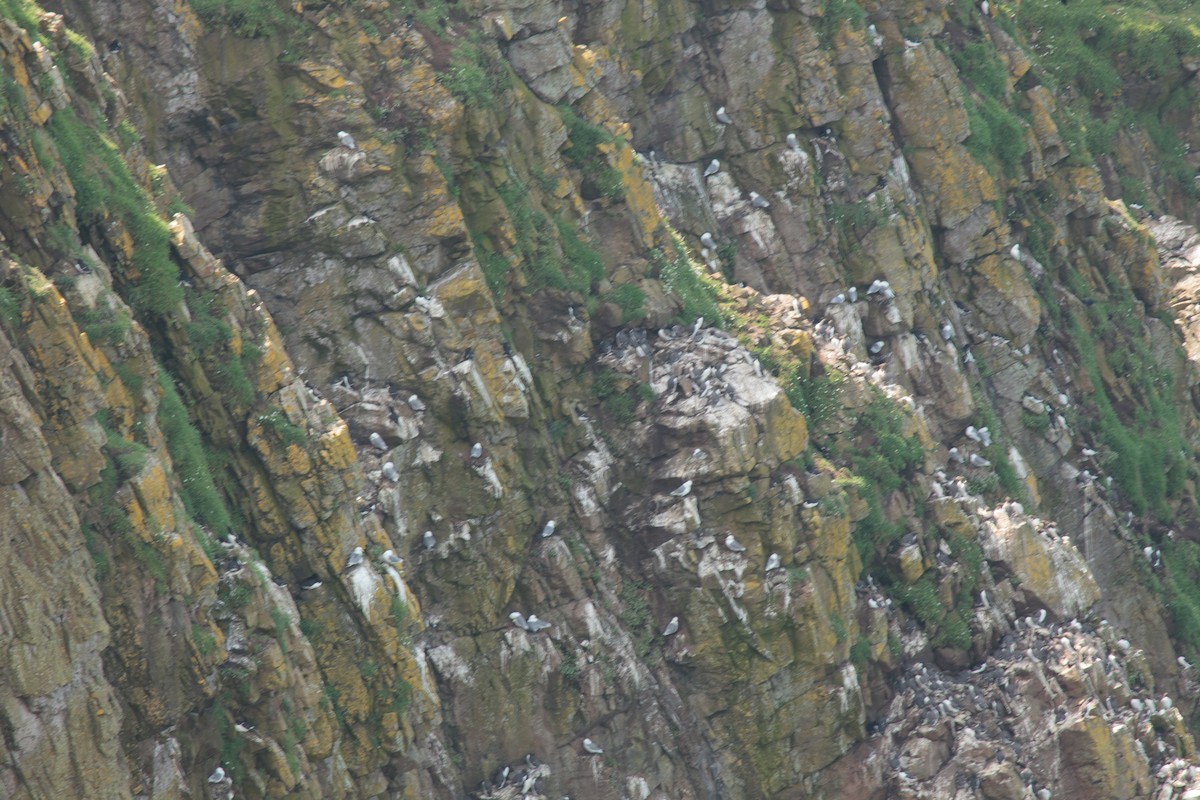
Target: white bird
column 684, row 490
column 1123, row 645
column 838, row 299
column 356, row 558
column 1015, row 252
column 548, row 529
column 773, row 562
column 696, row 326
column 947, row 331
column 672, row 627
column 722, row 117
column 707, row 240
column 346, row 139
column 878, row 286
column 429, row 540
column 876, row 38
column 518, row 619
column 985, row 437
column 217, row 776
column 793, row 142
column 243, row 727
column 1044, row 794
column 734, row 545
column 983, row 599
column 1042, row 616
column 476, row 450
column 713, row 168
column 972, row 433
column 1183, row 663
column 390, row 472
column 592, row 747
column 390, row 557
column 378, row 441
column 1166, row 702
column 415, row 403
column 1137, row 705
column 985, row 8
column 1088, row 452
column 852, row 294
column 536, row 624
column 876, row 347
column 758, row 201
column 955, row 455
column 1148, row 552
column 979, row 461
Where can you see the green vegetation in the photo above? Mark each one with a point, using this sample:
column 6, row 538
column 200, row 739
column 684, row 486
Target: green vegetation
column 249, row 18
column 277, row 422
column 630, row 299
column 103, row 187
column 837, row 12
column 997, row 137
column 854, row 221
column 477, row 75
column 584, row 141
column 205, row 639
column 695, row 290
column 200, row 496
column 10, row 308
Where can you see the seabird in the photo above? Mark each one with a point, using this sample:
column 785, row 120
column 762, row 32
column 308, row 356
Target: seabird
column 311, row 582
column 707, row 240
column 955, row 455
column 1166, row 702
column 415, row 403
column 947, row 331
column 684, row 490
column 1015, row 252
column 378, row 441
column 243, row 727
column 972, row 433
column 876, row 347
column 519, row 620
column 346, row 139
column 476, row 450
column 852, row 294
column 502, row 776
column 1088, row 452
column 773, row 562
column 979, row 461
column 390, row 472
column 1041, row 617
column 986, row 8
column 758, row 201
column 713, row 168
column 793, row 142
column 879, row 286
column 217, row 776
column 429, row 540
column 548, row 529
column 390, row 557
column 734, row 545
column 592, row 747
column 1183, row 663
column 876, row 37
column 722, row 117
column 696, row 326
column 533, row 624
column 837, row 300
column 356, row 558
column 672, row 627
column 985, row 436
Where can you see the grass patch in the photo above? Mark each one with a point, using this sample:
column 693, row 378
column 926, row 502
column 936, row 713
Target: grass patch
column 200, row 496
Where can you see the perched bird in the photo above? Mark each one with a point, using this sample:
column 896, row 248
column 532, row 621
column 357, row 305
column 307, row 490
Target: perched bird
column 390, row 472
column 773, row 562
column 243, row 727
column 713, row 168
column 356, row 558
column 1183, row 663
column 1015, row 252
column 876, row 347
column 346, row 139
column 793, row 142
column 378, row 441
column 683, row 491
column 534, row 624
column 734, row 545
column 986, row 8
column 876, row 36
column 217, row 776
column 519, row 620
column 707, row 240
column 672, row 627
column 852, row 294
column 476, row 450
column 415, row 403
column 696, row 326
column 592, row 747
column 837, row 300
column 390, row 557
column 947, row 331
column 429, row 540
column 758, row 201
column 311, row 582
column 979, row 461
column 972, row 433
column 985, row 436
column 723, row 117
column 548, row 529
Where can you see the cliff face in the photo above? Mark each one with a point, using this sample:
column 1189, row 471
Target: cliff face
column 855, row 346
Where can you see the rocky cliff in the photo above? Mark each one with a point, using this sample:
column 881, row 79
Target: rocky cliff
column 429, row 400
